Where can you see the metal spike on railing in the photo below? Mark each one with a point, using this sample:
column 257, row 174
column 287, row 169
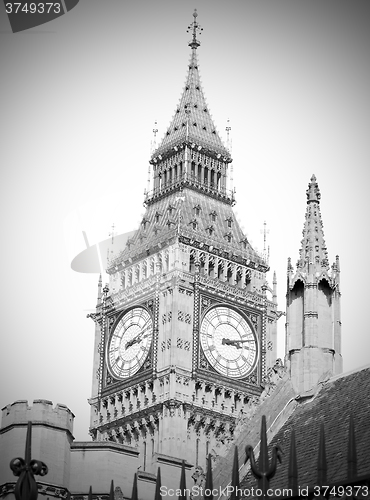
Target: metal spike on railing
column 322, row 466
column 158, row 484
column 111, row 493
column 89, row 496
column 208, row 495
column 235, row 485
column 266, row 471
column 182, row 482
column 263, row 460
column 352, row 454
column 26, row 469
column 293, row 468
column 134, row 488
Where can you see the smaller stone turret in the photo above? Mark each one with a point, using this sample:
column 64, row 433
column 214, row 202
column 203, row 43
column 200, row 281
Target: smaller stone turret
column 52, row 435
column 313, row 327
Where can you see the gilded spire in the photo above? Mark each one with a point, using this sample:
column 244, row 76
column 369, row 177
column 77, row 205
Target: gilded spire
column 192, row 123
column 195, row 28
column 313, row 253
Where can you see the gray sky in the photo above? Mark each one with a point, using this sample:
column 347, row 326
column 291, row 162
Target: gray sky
column 79, row 97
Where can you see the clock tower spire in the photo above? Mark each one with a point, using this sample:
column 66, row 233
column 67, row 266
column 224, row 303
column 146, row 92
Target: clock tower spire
column 189, row 332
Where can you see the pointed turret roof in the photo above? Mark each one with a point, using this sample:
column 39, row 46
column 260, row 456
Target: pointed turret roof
column 313, row 255
column 192, row 122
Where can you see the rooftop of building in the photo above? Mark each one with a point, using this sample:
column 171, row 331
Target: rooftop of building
column 193, row 216
column 332, row 404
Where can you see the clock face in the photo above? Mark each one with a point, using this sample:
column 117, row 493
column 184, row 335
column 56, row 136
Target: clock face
column 228, row 342
column 129, row 343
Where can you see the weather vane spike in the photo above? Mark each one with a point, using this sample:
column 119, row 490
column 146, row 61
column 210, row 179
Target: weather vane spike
column 265, row 232
column 229, row 147
column 112, row 234
column 155, row 130
column 153, row 147
column 195, row 28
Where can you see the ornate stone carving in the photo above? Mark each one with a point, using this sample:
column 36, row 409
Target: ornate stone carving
column 199, row 478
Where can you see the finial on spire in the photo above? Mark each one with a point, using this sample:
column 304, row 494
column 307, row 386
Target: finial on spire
column 100, row 283
column 313, row 191
column 229, row 147
column 153, row 147
column 112, row 234
column 289, row 267
column 195, row 28
column 265, row 232
column 228, row 128
column 337, row 265
column 228, row 139
column 155, row 130
column 274, row 288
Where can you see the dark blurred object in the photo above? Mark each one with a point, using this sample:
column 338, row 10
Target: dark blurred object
column 25, row 14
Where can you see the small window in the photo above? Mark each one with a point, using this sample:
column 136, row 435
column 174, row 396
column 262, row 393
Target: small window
column 244, row 243
column 229, row 222
column 194, row 224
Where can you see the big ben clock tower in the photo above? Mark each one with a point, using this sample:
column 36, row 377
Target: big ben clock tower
column 186, row 329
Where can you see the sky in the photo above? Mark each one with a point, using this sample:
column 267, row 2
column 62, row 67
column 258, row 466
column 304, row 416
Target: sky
column 79, row 97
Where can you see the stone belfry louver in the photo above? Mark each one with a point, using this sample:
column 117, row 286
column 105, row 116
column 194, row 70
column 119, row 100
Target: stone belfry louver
column 186, row 331
column 313, row 324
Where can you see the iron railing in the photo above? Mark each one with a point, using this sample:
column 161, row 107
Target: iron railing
column 26, row 469
column 353, row 486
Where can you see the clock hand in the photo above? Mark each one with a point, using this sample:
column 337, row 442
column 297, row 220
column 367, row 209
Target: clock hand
column 131, row 342
column 235, row 343
column 137, row 339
